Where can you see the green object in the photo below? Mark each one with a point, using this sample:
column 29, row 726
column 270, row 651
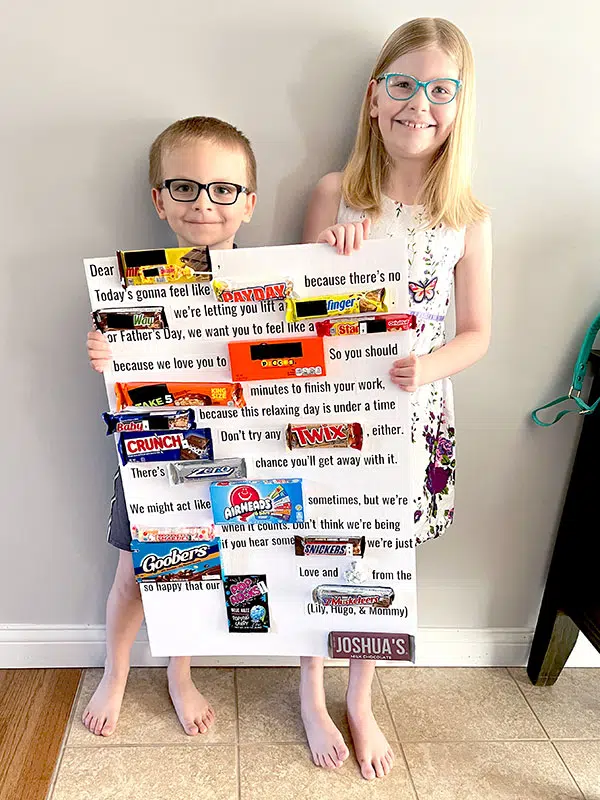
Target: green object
column 577, row 383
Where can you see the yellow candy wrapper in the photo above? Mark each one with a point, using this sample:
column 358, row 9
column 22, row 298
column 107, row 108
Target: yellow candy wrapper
column 335, row 305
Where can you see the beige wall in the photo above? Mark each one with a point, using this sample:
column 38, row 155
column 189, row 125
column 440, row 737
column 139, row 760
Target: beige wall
column 85, row 89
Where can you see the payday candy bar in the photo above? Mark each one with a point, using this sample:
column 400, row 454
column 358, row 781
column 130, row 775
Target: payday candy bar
column 248, row 502
column 157, row 395
column 127, row 319
column 195, row 444
column 344, row 434
column 205, row 533
column 334, row 595
column 329, row 545
column 228, row 291
column 170, row 265
column 184, row 472
column 148, row 421
column 386, row 323
column 247, row 603
column 186, row 561
column 335, row 305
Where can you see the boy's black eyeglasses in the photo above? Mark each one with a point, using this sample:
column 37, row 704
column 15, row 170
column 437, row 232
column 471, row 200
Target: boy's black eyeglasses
column 184, row 191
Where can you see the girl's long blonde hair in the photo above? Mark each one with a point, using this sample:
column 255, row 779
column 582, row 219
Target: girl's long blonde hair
column 446, row 191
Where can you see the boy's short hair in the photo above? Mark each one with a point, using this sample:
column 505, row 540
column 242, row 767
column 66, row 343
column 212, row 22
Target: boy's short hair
column 186, row 130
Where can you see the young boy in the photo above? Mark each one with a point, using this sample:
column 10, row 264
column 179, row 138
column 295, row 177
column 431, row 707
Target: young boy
column 202, row 153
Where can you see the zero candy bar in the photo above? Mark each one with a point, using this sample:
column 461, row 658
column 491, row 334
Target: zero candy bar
column 246, row 600
column 157, row 395
column 281, row 358
column 386, row 323
column 195, row 444
column 185, row 561
column 274, row 501
column 170, row 265
column 204, row 533
column 228, row 291
column 126, row 319
column 344, row 434
column 372, row 646
column 334, row 595
column 149, row 421
column 334, row 305
column 329, row 545
column 184, row 472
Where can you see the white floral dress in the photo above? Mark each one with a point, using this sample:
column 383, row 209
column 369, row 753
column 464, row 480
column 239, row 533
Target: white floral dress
column 432, row 256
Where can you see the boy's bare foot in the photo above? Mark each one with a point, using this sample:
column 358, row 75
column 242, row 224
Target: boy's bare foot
column 326, row 743
column 373, row 752
column 102, row 712
column 194, row 712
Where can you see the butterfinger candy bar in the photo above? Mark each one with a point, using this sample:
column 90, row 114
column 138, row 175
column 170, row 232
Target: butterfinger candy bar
column 303, row 357
column 170, row 265
column 334, row 595
column 335, row 305
column 192, row 445
column 386, row 323
column 204, row 533
column 229, row 291
column 128, row 319
column 183, row 472
column 329, row 545
column 344, row 434
column 156, row 395
column 124, row 421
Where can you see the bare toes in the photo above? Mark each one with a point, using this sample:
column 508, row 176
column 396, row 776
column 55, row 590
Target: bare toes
column 108, row 729
column 190, row 728
column 367, row 771
column 379, row 770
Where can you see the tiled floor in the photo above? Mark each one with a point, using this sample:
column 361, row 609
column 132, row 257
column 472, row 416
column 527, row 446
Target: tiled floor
column 458, row 734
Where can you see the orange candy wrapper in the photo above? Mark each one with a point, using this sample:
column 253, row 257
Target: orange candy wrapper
column 158, row 395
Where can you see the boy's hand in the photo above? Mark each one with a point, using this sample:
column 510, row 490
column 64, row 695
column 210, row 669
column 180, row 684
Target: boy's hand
column 347, row 237
column 99, row 351
column 406, row 373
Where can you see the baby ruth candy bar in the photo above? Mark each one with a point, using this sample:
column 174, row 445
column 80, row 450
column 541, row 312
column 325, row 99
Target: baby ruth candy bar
column 335, row 305
column 122, row 421
column 195, row 444
column 157, row 395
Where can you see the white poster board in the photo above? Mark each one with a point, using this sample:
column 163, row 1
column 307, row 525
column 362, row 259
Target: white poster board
column 346, row 491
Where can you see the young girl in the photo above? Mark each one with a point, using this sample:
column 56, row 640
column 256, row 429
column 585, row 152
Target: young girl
column 409, row 175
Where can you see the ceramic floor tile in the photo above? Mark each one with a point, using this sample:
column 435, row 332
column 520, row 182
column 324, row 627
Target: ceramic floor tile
column 583, row 762
column 147, row 714
column 269, row 708
column 139, row 773
column 571, row 708
column 270, row 772
column 489, row 771
column 457, row 704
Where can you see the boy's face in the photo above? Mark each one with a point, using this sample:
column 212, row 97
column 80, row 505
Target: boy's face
column 203, row 222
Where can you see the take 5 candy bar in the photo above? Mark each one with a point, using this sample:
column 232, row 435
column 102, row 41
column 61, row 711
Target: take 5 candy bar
column 343, row 434
column 230, row 291
column 248, row 502
column 386, row 323
column 170, row 265
column 335, row 305
column 192, row 445
column 127, row 319
column 280, row 358
column 157, row 395
column 123, row 421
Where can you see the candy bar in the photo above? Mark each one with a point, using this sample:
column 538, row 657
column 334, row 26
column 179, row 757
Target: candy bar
column 157, row 395
column 184, row 472
column 127, row 319
column 230, row 291
column 204, row 533
column 343, row 434
column 247, row 603
column 185, row 561
column 148, row 421
column 386, row 323
column 335, row 305
column 329, row 545
column 303, row 357
column 371, row 646
column 247, row 502
column 192, row 445
column 170, row 265
column 334, row 595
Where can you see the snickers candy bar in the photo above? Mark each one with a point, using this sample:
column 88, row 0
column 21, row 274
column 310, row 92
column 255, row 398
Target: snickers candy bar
column 344, row 434
column 128, row 319
column 147, row 421
column 334, row 595
column 329, row 545
column 184, row 472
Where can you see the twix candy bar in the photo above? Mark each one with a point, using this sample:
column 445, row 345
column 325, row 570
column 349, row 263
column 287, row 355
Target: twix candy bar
column 335, row 305
column 344, row 434
column 385, row 323
column 157, row 395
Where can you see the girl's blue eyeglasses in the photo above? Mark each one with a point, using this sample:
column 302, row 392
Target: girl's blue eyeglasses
column 403, row 87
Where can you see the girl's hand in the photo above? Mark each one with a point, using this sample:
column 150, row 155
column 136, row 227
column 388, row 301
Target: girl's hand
column 99, row 351
column 406, row 373
column 347, row 237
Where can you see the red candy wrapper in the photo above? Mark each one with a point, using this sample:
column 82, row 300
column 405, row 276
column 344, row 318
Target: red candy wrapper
column 385, row 323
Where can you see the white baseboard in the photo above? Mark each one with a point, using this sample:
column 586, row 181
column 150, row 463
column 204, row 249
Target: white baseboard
column 23, row 646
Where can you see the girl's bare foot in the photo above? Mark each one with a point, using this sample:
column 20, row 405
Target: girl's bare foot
column 373, row 752
column 194, row 711
column 326, row 743
column 102, row 712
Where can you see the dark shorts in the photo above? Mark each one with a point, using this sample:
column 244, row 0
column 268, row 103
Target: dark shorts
column 119, row 531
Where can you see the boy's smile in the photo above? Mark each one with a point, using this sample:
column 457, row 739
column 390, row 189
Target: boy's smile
column 203, row 222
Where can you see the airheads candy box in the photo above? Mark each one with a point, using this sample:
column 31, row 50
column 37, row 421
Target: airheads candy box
column 248, row 502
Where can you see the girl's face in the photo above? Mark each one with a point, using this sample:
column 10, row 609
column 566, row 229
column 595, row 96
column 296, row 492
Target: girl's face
column 415, row 128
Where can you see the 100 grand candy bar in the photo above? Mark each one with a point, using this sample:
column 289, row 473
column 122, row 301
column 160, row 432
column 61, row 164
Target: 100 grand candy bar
column 170, row 265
